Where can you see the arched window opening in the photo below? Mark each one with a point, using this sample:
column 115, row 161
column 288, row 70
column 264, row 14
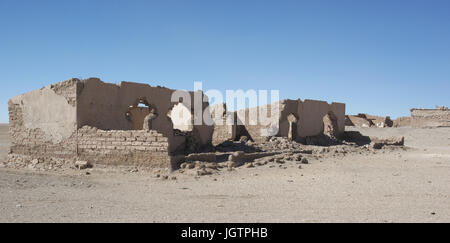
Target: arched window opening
column 138, row 112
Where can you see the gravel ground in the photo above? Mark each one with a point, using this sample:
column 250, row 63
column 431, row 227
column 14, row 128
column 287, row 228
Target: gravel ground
column 411, row 185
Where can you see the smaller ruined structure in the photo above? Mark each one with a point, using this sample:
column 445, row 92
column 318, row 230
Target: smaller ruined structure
column 365, row 120
column 439, row 117
column 295, row 119
column 403, row 121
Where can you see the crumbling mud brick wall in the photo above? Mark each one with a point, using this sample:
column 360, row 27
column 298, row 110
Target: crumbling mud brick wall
column 356, row 121
column 365, row 120
column 430, row 117
column 308, row 115
column 43, row 122
column 104, row 106
column 311, row 113
column 51, row 123
column 380, row 121
column 138, row 148
column 224, row 124
column 404, row 121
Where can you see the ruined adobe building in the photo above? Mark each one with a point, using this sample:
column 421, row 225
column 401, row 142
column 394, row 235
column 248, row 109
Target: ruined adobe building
column 133, row 124
column 439, row 117
column 366, row 120
column 101, row 123
column 296, row 119
column 425, row 118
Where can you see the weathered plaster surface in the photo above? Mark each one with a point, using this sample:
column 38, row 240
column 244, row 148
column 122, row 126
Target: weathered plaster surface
column 51, row 113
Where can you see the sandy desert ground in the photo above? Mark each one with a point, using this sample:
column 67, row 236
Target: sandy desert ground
column 410, row 185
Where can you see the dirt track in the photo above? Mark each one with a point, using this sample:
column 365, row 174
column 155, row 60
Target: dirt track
column 389, row 186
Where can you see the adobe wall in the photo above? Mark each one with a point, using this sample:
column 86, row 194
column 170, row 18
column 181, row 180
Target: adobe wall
column 380, row 121
column 404, row 121
column 309, row 114
column 250, row 123
column 138, row 148
column 339, row 110
column 224, row 127
column 43, row 122
column 289, row 107
column 430, row 117
column 104, row 106
column 358, row 121
column 51, row 123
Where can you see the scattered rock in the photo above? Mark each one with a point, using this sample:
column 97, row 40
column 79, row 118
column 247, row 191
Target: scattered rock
column 257, row 163
column 212, row 165
column 199, row 165
column 237, row 156
column 377, row 143
column 204, row 172
column 82, row 165
column 230, row 165
column 249, row 165
column 233, row 164
column 297, row 157
column 304, row 161
column 243, row 139
column 35, row 162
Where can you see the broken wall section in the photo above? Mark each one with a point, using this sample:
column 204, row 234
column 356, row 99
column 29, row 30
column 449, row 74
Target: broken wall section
column 404, row 121
column 43, row 122
column 366, row 120
column 225, row 127
column 308, row 120
column 45, row 125
column 105, row 106
column 311, row 114
column 249, row 121
column 138, row 148
column 430, row 117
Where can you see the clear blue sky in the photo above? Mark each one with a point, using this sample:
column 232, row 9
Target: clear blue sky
column 379, row 57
